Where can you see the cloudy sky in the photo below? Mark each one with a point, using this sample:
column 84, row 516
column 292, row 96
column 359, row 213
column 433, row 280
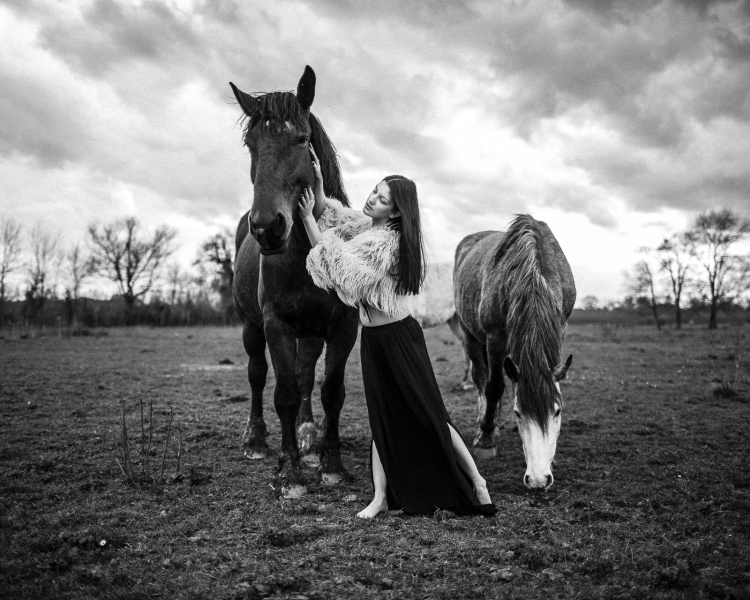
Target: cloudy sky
column 616, row 122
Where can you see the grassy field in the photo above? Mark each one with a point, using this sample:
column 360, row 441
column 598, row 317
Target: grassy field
column 651, row 496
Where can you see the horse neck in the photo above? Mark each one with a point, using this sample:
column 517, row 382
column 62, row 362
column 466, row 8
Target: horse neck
column 299, row 244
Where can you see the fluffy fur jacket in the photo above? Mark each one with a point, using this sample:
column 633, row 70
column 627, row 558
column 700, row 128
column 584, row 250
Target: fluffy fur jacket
column 355, row 259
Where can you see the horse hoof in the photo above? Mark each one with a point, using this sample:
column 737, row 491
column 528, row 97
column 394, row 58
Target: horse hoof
column 293, row 492
column 256, row 454
column 311, row 460
column 484, row 453
column 331, row 479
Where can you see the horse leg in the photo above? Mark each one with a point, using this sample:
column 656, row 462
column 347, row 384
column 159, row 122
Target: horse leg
column 308, row 352
column 454, row 324
column 493, row 392
column 483, row 445
column 332, row 394
column 467, row 382
column 254, row 436
column 282, row 346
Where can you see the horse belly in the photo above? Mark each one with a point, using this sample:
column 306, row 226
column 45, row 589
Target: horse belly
column 312, row 312
column 467, row 308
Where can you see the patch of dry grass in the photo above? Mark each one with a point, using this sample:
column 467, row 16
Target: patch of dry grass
column 652, row 495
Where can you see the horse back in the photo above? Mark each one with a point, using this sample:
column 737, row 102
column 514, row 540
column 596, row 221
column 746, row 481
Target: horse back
column 473, row 277
column 481, row 274
column 468, row 243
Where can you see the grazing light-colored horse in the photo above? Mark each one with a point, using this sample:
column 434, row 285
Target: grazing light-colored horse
column 514, row 292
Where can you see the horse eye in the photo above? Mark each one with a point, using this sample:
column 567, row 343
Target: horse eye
column 302, row 139
column 557, row 412
column 518, row 414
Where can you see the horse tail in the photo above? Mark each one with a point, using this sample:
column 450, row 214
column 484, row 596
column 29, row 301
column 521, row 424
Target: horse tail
column 243, row 228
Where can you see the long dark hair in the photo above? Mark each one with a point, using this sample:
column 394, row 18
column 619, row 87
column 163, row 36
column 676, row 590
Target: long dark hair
column 410, row 270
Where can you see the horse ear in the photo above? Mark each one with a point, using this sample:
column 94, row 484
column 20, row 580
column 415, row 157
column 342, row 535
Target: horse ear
column 246, row 101
column 511, row 370
column 561, row 370
column 306, row 88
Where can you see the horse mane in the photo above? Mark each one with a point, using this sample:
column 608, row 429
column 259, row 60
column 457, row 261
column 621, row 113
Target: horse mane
column 534, row 319
column 274, row 109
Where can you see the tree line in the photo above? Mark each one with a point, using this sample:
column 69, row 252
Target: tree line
column 135, row 260
column 708, row 264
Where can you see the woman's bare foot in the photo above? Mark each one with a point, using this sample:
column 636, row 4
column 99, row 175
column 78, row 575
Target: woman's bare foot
column 375, row 507
column 482, row 494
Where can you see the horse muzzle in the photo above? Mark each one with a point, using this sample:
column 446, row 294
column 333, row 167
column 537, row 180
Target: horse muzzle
column 543, row 482
column 273, row 236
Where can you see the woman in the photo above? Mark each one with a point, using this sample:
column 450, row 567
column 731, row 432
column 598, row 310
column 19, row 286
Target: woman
column 419, row 461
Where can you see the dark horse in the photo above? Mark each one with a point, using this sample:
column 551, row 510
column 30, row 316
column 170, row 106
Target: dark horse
column 514, row 292
column 273, row 294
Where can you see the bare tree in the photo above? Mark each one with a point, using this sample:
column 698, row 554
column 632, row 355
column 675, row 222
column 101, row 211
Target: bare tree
column 178, row 284
column 178, row 281
column 43, row 265
column 121, row 253
column 217, row 251
column 675, row 257
column 79, row 267
column 10, row 258
column 642, row 282
column 716, row 233
column 590, row 302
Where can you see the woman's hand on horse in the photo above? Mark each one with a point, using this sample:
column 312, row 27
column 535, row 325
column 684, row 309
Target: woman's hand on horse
column 306, row 204
column 316, row 165
column 320, row 196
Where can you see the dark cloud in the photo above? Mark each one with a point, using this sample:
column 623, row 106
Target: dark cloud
column 228, row 12
column 39, row 122
column 26, row 7
column 110, row 33
column 630, row 69
column 644, row 74
column 422, row 12
column 622, row 10
column 702, row 7
column 415, row 149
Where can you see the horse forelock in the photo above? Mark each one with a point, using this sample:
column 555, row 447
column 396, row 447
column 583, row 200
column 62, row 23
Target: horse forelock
column 275, row 111
column 534, row 318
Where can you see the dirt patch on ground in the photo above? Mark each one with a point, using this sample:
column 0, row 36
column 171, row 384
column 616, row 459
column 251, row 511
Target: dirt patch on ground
column 651, row 494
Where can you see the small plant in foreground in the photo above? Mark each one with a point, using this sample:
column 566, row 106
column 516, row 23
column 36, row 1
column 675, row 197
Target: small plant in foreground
column 727, row 389
column 122, row 448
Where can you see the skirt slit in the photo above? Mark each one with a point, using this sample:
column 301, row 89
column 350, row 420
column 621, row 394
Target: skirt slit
column 409, row 423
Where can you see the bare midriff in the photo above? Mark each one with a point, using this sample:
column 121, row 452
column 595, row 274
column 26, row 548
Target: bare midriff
column 378, row 317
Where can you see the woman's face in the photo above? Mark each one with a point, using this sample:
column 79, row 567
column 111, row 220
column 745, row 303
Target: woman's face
column 380, row 206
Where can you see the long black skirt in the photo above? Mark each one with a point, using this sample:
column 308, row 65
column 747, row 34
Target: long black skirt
column 409, row 424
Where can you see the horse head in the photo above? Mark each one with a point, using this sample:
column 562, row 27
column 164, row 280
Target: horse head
column 278, row 135
column 537, row 403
